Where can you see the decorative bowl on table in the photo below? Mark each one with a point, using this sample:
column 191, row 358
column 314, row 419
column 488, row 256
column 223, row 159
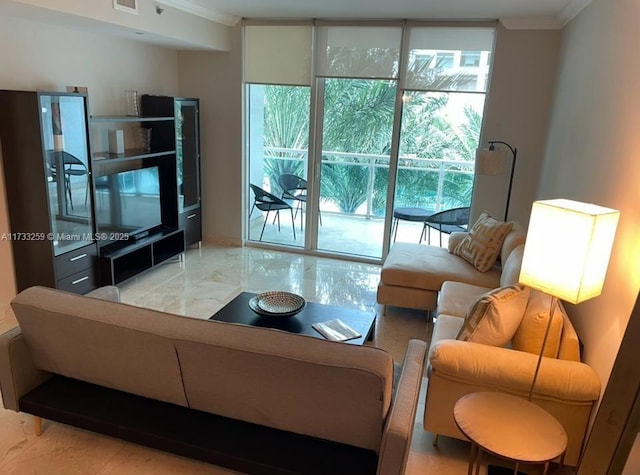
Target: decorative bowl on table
column 277, row 304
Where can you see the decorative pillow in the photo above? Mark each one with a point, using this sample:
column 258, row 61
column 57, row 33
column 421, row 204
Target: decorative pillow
column 495, row 317
column 482, row 245
column 530, row 333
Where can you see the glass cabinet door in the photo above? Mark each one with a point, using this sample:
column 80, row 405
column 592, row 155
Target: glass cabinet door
column 66, row 158
column 187, row 154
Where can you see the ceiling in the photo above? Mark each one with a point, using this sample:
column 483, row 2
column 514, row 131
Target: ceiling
column 520, row 13
column 514, row 14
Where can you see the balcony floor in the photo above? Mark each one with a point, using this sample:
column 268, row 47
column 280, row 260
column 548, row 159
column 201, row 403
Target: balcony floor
column 341, row 234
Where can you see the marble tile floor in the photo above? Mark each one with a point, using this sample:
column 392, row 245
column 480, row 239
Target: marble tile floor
column 198, row 286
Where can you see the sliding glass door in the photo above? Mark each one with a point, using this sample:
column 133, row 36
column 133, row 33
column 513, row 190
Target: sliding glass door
column 357, row 130
column 357, row 70
column 278, row 151
column 361, row 120
column 443, row 100
column 278, row 100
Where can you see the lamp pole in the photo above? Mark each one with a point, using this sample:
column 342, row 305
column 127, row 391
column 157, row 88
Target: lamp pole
column 514, row 151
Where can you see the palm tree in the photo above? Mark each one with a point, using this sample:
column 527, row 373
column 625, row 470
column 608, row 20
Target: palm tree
column 358, row 118
column 286, row 119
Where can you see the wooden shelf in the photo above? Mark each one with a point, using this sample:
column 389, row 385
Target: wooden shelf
column 127, row 118
column 130, row 154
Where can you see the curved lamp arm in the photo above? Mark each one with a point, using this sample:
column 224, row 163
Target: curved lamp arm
column 514, row 151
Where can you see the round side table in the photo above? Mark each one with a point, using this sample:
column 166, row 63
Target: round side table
column 509, row 427
column 417, row 215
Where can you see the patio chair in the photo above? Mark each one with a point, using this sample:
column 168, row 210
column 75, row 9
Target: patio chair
column 72, row 166
column 265, row 201
column 447, row 222
column 295, row 188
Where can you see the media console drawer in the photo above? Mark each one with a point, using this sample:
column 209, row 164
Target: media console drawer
column 79, row 283
column 75, row 261
column 191, row 222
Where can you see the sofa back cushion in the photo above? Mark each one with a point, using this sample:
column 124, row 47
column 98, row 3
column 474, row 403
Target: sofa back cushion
column 310, row 386
column 101, row 342
column 512, row 241
column 569, row 342
column 481, row 247
column 530, row 333
column 494, row 318
column 511, row 267
column 307, row 385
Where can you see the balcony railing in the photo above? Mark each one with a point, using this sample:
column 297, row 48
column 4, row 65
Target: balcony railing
column 373, row 163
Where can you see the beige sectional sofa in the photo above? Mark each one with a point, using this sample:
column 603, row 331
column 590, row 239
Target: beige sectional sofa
column 413, row 274
column 307, row 388
column 432, row 278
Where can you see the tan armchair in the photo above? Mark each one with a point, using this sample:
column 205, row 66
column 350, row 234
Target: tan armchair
column 566, row 388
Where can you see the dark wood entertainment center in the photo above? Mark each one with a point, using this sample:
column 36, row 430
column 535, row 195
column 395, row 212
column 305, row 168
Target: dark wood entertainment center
column 75, row 194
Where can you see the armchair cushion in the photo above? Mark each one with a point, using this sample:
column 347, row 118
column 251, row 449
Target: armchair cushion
column 495, row 317
column 530, row 333
column 482, row 246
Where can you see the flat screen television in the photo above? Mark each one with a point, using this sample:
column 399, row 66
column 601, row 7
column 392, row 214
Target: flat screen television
column 127, row 203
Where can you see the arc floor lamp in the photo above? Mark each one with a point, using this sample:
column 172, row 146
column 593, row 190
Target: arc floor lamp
column 491, row 161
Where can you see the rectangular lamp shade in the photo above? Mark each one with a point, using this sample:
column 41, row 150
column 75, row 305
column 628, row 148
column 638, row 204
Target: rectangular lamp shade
column 567, row 249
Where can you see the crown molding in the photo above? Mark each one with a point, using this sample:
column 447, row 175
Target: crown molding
column 568, row 13
column 572, row 9
column 208, row 13
column 531, row 23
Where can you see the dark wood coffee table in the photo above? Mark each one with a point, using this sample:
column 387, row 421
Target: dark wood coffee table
column 238, row 311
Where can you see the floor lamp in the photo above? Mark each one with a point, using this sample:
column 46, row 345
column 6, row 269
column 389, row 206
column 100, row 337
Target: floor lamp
column 566, row 254
column 492, row 162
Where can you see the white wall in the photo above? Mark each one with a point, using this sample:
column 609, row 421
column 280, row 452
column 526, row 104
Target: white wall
column 171, row 27
column 40, row 56
column 517, row 112
column 593, row 155
column 216, row 78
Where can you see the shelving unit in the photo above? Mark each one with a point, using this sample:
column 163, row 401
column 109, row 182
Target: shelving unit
column 162, row 140
column 187, row 144
column 44, row 141
column 124, row 259
column 58, row 164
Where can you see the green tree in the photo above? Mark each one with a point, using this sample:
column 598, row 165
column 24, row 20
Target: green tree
column 358, row 118
column 286, row 126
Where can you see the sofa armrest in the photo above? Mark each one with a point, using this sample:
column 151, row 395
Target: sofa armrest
column 18, row 374
column 512, row 371
column 396, row 438
column 107, row 292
